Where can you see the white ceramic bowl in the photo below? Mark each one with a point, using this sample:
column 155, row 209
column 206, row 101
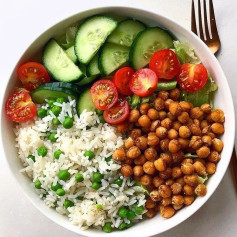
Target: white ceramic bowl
column 223, row 100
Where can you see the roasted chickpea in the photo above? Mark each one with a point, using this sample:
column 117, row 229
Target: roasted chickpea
column 162, row 115
column 175, row 109
column 153, row 114
column 157, row 181
column 217, row 144
column 211, row 168
column 167, row 158
column 204, row 124
column 206, row 108
column 133, row 116
column 184, row 143
column 207, row 140
column 171, row 116
column 164, row 191
column 180, row 181
column 167, row 104
column 214, row 157
column 187, row 168
column 203, row 152
column 196, row 113
column 128, row 161
column 164, row 95
column 159, row 104
column 201, row 190
column 195, row 142
column 217, row 128
column 185, row 106
column 191, row 180
column 129, row 143
column 176, row 125
column 152, row 139
column 150, row 203
column 188, row 190
column 199, row 168
column 166, row 174
column 176, row 188
column 141, row 142
column 177, row 157
column 146, row 180
column 138, row 170
column 150, row 213
column 187, row 160
column 212, row 135
column 144, row 108
column 166, row 123
column 164, row 144
column 206, row 130
column 149, row 168
column 174, row 146
column 218, row 116
column 133, row 152
column 144, row 121
column 166, row 201
column 160, row 164
column 161, row 132
column 140, row 160
column 119, row 155
column 172, row 134
column 123, row 127
column 184, row 132
column 135, row 133
column 155, row 196
column 126, row 170
column 177, row 207
column 176, row 172
column 183, row 118
column 188, row 200
column 150, row 153
column 169, row 182
column 177, row 200
column 174, row 94
column 195, row 129
column 200, row 160
column 154, row 125
column 167, row 212
column 208, row 118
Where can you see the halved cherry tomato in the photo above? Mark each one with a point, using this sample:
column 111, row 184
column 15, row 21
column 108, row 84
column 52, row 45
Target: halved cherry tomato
column 118, row 113
column 143, row 82
column 192, row 77
column 32, row 75
column 121, row 80
column 19, row 107
column 165, row 63
column 104, row 94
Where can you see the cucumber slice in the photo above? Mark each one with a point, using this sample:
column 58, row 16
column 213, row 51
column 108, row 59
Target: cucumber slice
column 111, row 57
column 52, row 85
column 125, row 32
column 146, row 43
column 93, row 68
column 58, row 64
column 85, row 102
column 91, row 35
column 71, row 54
column 41, row 94
column 86, row 81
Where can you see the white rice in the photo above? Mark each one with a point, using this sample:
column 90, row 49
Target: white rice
column 102, row 139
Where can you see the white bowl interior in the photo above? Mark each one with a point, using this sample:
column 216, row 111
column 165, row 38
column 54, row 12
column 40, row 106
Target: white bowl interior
column 223, row 100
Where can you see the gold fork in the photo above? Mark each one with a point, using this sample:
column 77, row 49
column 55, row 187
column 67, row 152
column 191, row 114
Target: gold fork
column 212, row 40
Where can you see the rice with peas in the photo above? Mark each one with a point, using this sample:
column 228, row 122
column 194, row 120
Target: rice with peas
column 87, row 133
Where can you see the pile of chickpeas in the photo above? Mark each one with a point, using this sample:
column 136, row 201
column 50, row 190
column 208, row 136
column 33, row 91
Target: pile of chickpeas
column 162, row 135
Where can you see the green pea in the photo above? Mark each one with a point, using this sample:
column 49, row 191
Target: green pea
column 42, row 151
column 60, row 100
column 99, row 206
column 139, row 210
column 52, row 137
column 122, row 226
column 99, row 112
column 108, row 159
column 68, row 203
column 56, row 110
column 101, row 118
column 37, row 184
column 129, row 225
column 31, row 157
column 56, row 121
column 131, row 215
column 56, row 187
column 64, row 175
column 51, row 103
column 95, row 185
column 42, row 113
column 68, row 122
column 123, row 212
column 97, row 177
column 107, row 228
column 89, row 154
column 48, row 112
column 79, row 177
column 80, row 198
column 57, row 154
column 118, row 182
column 60, row 192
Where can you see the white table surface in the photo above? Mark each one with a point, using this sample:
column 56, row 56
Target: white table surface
column 20, row 23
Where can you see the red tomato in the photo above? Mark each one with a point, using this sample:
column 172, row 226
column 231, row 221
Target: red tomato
column 19, row 107
column 165, row 63
column 143, row 82
column 121, row 80
column 192, row 77
column 104, row 94
column 118, row 113
column 32, row 75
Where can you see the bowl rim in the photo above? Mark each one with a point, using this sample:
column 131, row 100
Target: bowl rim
column 106, row 8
